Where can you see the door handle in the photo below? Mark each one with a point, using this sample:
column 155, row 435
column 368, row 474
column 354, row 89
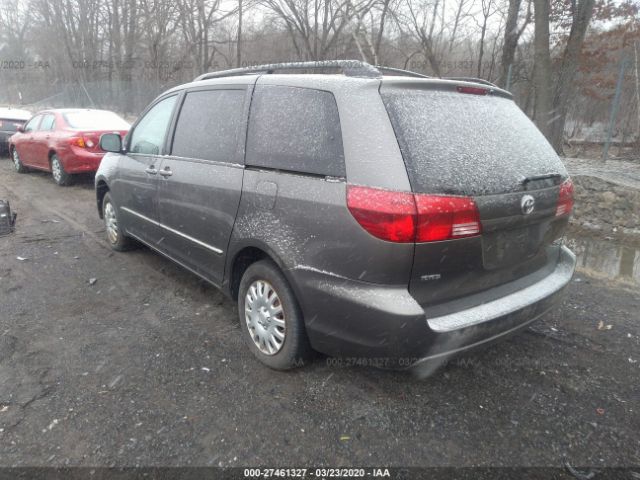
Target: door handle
column 151, row 170
column 166, row 172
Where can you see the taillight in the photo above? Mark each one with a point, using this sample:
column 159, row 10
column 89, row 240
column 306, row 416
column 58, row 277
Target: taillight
column 82, row 142
column 78, row 142
column 406, row 217
column 444, row 218
column 473, row 90
column 565, row 198
column 384, row 214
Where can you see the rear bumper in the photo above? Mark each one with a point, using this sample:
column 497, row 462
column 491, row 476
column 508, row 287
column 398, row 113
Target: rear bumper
column 385, row 326
column 78, row 160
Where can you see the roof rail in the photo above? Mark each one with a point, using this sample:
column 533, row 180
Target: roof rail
column 400, row 71
column 351, row 68
column 472, row 79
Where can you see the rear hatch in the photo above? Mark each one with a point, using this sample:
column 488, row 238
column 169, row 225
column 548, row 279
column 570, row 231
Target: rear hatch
column 472, row 145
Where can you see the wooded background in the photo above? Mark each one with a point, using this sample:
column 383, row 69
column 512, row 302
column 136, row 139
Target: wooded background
column 560, row 58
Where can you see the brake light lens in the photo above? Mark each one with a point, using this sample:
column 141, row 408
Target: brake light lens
column 565, row 198
column 403, row 217
column 444, row 218
column 384, row 214
column 473, row 90
column 78, row 142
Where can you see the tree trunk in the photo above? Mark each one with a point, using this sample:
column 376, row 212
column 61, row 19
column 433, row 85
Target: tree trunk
column 542, row 68
column 239, row 39
column 511, row 36
column 565, row 85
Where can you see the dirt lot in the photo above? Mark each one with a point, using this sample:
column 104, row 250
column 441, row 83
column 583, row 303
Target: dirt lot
column 146, row 367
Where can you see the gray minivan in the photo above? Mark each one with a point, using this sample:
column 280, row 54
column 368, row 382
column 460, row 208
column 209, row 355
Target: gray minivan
column 387, row 220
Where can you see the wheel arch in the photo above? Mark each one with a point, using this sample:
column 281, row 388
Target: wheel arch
column 102, row 188
column 245, row 254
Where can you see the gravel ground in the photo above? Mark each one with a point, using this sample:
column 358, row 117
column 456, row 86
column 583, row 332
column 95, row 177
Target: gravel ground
column 146, row 367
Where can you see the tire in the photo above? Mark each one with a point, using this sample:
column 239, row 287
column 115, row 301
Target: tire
column 117, row 240
column 287, row 345
column 17, row 163
column 61, row 177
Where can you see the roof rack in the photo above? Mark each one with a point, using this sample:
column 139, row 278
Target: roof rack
column 350, row 68
column 472, row 79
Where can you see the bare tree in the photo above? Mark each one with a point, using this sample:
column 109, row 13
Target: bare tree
column 421, row 23
column 581, row 12
column 542, row 69
column 512, row 34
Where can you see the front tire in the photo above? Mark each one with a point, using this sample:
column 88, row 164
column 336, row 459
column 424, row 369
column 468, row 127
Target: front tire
column 116, row 238
column 17, row 163
column 61, row 177
column 271, row 319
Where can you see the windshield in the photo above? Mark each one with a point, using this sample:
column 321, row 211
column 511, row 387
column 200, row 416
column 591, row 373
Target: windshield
column 95, row 120
column 466, row 144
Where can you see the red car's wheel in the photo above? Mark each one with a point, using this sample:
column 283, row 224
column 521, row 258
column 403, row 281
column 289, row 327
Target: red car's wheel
column 17, row 163
column 61, row 177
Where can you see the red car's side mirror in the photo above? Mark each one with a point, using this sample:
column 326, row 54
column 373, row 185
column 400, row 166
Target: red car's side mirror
column 21, row 129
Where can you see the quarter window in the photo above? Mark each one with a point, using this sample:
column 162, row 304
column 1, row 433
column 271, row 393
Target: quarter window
column 209, row 125
column 149, row 135
column 295, row 129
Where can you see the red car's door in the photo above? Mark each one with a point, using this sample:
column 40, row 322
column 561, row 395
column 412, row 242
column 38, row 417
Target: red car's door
column 24, row 141
column 41, row 141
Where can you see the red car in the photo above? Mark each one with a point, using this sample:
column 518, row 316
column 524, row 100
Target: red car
column 64, row 142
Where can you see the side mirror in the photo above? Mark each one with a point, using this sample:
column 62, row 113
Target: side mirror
column 20, row 129
column 111, row 142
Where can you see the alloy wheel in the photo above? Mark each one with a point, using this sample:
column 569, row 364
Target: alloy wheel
column 56, row 169
column 16, row 160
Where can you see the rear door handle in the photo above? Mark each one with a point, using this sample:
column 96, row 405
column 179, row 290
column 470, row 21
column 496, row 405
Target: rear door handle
column 151, row 170
column 166, row 172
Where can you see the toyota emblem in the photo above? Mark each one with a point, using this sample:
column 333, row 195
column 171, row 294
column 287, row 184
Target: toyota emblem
column 527, row 204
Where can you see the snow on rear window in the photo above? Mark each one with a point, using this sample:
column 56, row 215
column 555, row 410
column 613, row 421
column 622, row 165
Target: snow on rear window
column 467, row 144
column 95, row 120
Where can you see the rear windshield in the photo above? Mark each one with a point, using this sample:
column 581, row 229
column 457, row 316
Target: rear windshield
column 95, row 120
column 467, row 144
column 10, row 125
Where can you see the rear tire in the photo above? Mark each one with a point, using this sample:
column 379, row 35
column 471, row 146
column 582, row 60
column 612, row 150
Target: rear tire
column 17, row 163
column 116, row 238
column 61, row 177
column 270, row 318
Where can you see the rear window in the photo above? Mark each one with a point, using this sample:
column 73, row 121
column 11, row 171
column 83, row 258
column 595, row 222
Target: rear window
column 10, row 125
column 295, row 129
column 95, row 120
column 467, row 144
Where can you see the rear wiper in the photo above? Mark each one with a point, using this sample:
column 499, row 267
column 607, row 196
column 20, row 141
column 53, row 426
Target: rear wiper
column 544, row 176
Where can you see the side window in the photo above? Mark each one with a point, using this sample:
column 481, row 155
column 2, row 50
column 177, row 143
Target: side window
column 149, row 134
column 209, row 125
column 33, row 124
column 296, row 129
column 48, row 122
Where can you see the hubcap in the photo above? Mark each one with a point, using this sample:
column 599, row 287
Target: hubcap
column 111, row 222
column 56, row 169
column 16, row 159
column 265, row 317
